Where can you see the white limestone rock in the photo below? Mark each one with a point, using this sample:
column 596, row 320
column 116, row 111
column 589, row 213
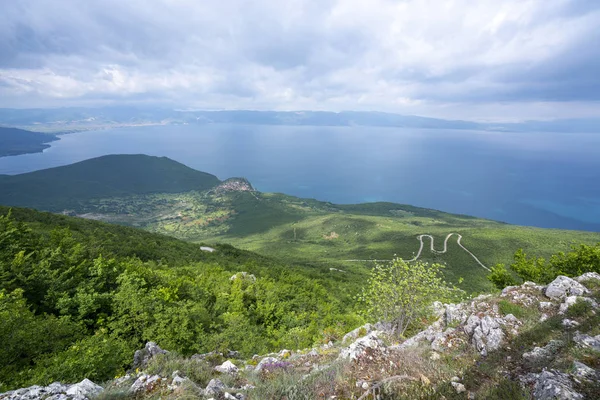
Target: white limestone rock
column 360, row 346
column 227, row 368
column 563, row 286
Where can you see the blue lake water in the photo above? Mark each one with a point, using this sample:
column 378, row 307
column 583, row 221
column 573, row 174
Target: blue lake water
column 540, row 179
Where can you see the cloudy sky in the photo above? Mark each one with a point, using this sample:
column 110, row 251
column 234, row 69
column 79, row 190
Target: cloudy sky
column 470, row 59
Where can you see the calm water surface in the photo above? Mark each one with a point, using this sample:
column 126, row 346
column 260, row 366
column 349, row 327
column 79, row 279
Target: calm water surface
column 542, row 179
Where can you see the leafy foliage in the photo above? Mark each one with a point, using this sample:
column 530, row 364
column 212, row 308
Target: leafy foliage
column 400, row 293
column 581, row 259
column 78, row 302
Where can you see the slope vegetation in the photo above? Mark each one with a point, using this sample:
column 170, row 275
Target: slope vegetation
column 78, row 297
column 18, row 141
column 108, row 176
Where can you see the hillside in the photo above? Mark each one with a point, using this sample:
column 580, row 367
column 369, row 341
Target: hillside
column 531, row 341
column 17, row 141
column 321, row 234
column 60, row 188
column 77, row 297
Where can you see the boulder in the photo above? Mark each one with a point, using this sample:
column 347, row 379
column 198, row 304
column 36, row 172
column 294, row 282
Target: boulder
column 459, row 387
column 227, row 368
column 541, row 356
column 141, row 357
column 583, row 372
column 588, row 276
column 550, row 385
column 145, row 383
column 563, row 286
column 486, row 334
column 85, row 389
column 571, row 300
column 455, row 314
column 265, row 361
column 214, row 388
column 362, row 345
column 353, row 335
column 588, row 341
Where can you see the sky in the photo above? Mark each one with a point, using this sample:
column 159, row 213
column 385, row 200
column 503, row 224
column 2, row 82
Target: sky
column 504, row 60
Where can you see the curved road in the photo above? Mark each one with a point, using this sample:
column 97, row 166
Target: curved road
column 433, row 250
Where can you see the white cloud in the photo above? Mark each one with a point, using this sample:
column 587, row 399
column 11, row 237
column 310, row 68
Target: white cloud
column 421, row 56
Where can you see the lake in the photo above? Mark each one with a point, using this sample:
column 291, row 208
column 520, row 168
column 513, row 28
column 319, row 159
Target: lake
column 540, row 179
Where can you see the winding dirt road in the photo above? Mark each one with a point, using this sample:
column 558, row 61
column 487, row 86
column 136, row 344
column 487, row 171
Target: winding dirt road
column 433, row 250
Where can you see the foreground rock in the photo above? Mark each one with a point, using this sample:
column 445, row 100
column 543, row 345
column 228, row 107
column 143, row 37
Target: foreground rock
column 362, row 345
column 554, row 385
column 563, row 287
column 141, row 357
column 83, row 390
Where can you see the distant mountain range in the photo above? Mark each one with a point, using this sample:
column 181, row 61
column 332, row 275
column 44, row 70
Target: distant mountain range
column 73, row 119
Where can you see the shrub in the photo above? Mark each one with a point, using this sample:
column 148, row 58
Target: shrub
column 501, row 277
column 401, row 293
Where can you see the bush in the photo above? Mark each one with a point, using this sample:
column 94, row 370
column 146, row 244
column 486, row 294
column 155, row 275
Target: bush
column 401, row 293
column 501, row 277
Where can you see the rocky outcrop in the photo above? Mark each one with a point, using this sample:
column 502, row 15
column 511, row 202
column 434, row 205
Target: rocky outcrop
column 214, row 388
column 83, row 390
column 265, row 361
column 227, row 368
column 563, row 287
column 486, row 333
column 588, row 276
column 554, row 385
column 587, row 341
column 141, row 357
column 362, row 345
column 541, row 356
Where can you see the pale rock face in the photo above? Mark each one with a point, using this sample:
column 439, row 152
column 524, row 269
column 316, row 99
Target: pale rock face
column 227, row 368
column 583, row 372
column 455, row 313
column 587, row 341
column 541, row 356
column 141, row 357
column 265, row 361
column 85, row 388
column 360, row 346
column 570, row 300
column 214, row 388
column 486, row 334
column 587, row 277
column 563, row 286
column 552, row 385
column 353, row 335
column 569, row 323
column 459, row 387
column 145, row 382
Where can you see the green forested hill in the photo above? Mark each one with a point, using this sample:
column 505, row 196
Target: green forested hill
column 58, row 188
column 15, row 141
column 78, row 297
column 163, row 196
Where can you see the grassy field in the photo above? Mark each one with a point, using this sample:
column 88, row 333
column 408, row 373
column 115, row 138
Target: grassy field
column 319, row 233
